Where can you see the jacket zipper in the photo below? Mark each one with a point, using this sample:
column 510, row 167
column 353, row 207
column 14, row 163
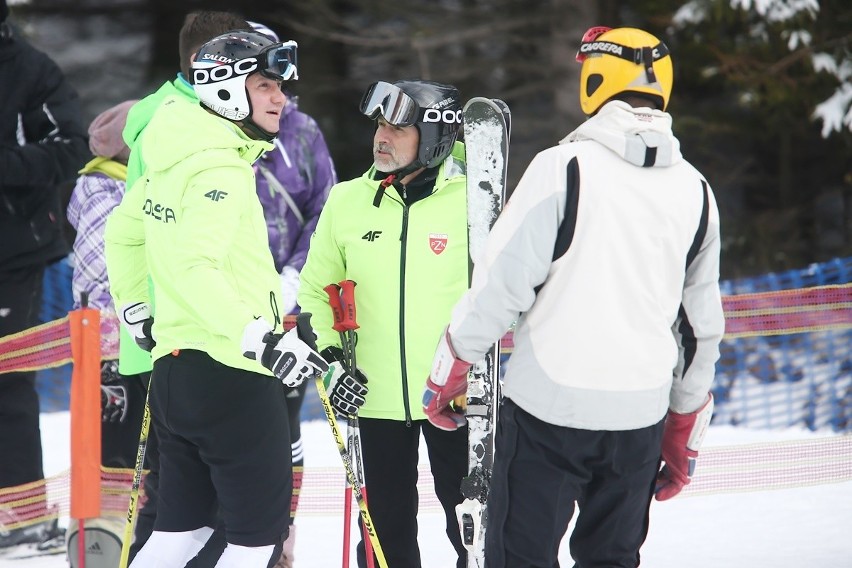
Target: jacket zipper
column 403, row 237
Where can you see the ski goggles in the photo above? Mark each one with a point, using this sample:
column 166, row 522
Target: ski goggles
column 281, row 61
column 397, row 108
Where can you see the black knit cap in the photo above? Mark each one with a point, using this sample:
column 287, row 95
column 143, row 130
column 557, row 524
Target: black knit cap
column 4, row 10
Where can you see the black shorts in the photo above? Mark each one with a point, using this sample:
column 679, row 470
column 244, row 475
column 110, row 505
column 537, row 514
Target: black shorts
column 223, row 437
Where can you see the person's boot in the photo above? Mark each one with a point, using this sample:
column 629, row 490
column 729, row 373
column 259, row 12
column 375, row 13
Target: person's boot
column 45, row 536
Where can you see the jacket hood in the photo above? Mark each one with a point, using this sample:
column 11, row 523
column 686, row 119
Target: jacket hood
column 181, row 128
column 107, row 166
column 641, row 136
column 140, row 114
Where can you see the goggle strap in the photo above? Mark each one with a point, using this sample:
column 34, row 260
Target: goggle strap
column 648, row 62
column 645, row 56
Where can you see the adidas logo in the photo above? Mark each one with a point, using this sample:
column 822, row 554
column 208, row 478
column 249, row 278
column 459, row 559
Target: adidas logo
column 94, row 549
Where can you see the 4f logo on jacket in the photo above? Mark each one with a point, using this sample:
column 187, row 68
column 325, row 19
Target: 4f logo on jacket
column 216, row 194
column 371, row 235
column 437, row 242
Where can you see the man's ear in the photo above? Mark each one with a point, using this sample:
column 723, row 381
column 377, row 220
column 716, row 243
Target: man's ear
column 189, row 68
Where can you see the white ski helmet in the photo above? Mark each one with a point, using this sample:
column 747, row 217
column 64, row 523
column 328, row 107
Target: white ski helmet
column 222, row 65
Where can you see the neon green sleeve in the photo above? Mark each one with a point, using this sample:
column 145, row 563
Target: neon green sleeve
column 325, row 265
column 124, row 246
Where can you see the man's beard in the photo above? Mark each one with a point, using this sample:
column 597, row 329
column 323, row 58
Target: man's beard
column 386, row 162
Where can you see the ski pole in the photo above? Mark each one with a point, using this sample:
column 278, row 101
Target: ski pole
column 350, row 324
column 137, row 481
column 347, row 512
column 333, row 291
column 355, row 448
column 341, row 298
column 303, row 324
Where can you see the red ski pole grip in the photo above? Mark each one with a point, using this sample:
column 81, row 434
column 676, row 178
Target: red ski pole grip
column 333, row 291
column 348, row 293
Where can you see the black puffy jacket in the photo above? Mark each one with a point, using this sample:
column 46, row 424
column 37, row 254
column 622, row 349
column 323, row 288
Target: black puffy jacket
column 42, row 144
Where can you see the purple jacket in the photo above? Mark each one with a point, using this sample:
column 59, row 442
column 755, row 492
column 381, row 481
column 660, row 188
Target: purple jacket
column 94, row 197
column 303, row 168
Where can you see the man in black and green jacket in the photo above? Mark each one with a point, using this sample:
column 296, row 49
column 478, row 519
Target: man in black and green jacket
column 400, row 232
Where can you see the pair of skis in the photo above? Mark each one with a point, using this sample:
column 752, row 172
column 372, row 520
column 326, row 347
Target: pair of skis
column 487, row 127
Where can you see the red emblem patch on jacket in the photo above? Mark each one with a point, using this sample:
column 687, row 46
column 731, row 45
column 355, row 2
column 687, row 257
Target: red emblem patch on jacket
column 437, row 242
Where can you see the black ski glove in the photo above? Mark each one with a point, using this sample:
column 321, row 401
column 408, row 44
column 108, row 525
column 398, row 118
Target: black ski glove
column 113, row 393
column 346, row 390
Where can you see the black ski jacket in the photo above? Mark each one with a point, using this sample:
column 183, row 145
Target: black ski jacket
column 42, row 144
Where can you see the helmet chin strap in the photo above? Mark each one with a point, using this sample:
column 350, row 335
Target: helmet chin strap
column 410, row 168
column 254, row 130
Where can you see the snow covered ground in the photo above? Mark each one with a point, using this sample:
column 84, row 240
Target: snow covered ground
column 807, row 527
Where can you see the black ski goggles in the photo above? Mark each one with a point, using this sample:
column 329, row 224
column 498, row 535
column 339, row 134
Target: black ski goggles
column 388, row 100
column 281, row 61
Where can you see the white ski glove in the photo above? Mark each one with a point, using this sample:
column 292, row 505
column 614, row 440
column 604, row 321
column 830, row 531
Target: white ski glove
column 137, row 320
column 288, row 357
column 289, row 289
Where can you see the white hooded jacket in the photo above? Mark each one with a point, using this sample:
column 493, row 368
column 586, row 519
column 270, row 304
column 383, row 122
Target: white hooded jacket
column 608, row 250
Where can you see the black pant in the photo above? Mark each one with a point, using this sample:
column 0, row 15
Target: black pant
column 223, row 437
column 541, row 470
column 389, row 450
column 20, row 436
column 215, row 545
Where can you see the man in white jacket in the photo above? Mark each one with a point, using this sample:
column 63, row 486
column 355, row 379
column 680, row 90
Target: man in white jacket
column 608, row 257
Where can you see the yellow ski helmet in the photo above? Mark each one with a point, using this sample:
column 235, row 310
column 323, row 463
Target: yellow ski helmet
column 622, row 60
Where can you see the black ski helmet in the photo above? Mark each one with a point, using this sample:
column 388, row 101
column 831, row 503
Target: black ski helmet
column 222, row 65
column 433, row 108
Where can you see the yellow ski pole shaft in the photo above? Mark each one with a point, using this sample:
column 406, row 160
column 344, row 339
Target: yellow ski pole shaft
column 134, row 489
column 350, row 473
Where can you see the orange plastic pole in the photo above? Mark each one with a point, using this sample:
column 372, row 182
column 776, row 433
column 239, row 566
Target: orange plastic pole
column 85, row 326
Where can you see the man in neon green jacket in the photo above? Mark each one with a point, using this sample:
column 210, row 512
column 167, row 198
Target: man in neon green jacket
column 195, row 222
column 400, row 232
column 134, row 362
column 198, row 27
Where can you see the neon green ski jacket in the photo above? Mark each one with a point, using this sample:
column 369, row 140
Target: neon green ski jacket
column 410, row 265
column 132, row 359
column 194, row 220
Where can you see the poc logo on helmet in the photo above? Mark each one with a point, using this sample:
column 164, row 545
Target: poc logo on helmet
column 224, row 72
column 448, row 116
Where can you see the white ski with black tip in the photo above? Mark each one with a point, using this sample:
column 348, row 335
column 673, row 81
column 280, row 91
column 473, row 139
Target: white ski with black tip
column 486, row 136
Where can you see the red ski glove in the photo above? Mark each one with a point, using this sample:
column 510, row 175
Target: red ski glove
column 447, row 380
column 682, row 437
